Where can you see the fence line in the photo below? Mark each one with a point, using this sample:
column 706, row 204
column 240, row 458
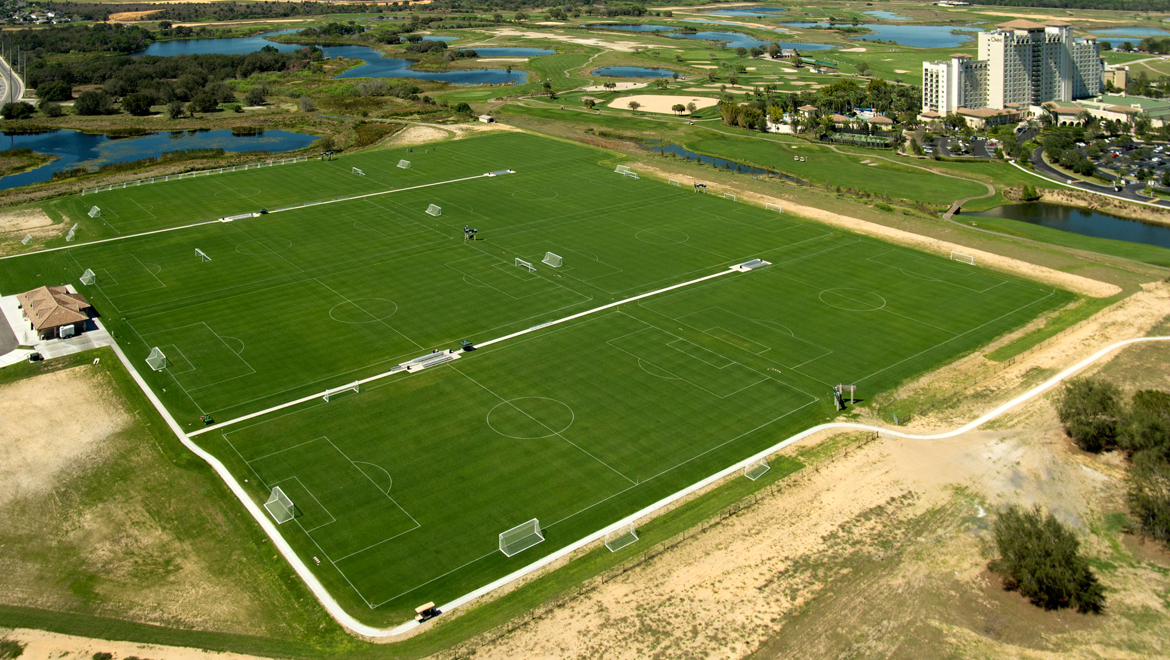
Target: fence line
column 189, row 175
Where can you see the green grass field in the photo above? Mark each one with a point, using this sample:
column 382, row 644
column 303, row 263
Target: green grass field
column 402, row 489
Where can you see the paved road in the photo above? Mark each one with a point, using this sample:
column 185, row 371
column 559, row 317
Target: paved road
column 1129, row 192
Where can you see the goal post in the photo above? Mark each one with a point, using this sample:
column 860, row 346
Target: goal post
column 520, row 538
column 72, row 231
column 26, row 240
column 88, row 277
column 357, row 171
column 404, row 164
column 674, row 182
column 202, row 255
column 156, row 360
column 352, row 387
column 730, row 196
column 94, row 212
column 434, row 210
column 622, row 169
column 773, row 207
column 965, row 258
column 552, row 259
column 520, row 263
column 621, row 537
column 280, row 507
column 756, row 469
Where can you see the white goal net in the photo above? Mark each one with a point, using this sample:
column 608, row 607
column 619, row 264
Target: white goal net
column 357, row 172
column 352, row 387
column 620, row 538
column 72, row 231
column 520, row 263
column 88, row 277
column 774, row 207
column 26, row 240
column 756, row 469
column 622, row 169
column 520, row 538
column 280, row 507
column 965, row 258
column 434, row 210
column 94, row 212
column 404, row 164
column 731, row 197
column 202, row 255
column 674, row 182
column 552, row 259
column 156, row 360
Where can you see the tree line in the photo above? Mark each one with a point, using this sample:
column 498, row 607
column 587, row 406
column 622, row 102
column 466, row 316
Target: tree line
column 842, row 96
column 1116, row 5
column 211, row 11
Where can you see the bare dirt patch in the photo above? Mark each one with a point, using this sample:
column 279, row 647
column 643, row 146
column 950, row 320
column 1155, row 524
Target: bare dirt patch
column 661, row 104
column 130, row 16
column 415, row 135
column 24, row 220
column 42, row 644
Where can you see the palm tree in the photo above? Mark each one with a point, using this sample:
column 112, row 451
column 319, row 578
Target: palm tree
column 678, row 108
column 1085, row 117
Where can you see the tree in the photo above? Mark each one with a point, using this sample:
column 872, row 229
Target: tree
column 175, row 109
column 50, row 109
column 1090, row 410
column 1147, row 426
column 94, row 103
column 678, row 108
column 1166, row 178
column 610, row 85
column 138, row 104
column 55, row 90
column 1040, row 557
column 862, row 67
column 306, row 104
column 256, row 96
column 1148, row 494
column 463, row 108
column 741, row 51
column 1029, row 193
column 691, row 107
column 634, row 105
column 521, row 16
column 589, row 103
column 17, row 110
column 205, row 101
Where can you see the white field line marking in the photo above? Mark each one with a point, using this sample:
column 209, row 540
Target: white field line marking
column 534, row 328
column 345, row 619
column 216, row 221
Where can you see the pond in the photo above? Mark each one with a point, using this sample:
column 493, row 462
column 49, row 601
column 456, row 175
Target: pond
column 443, row 39
column 739, row 39
column 513, row 52
column 375, row 65
column 755, row 12
column 631, row 72
column 721, row 163
column 76, row 149
column 1131, row 32
column 917, row 36
column 632, row 28
column 1083, row 222
column 886, row 15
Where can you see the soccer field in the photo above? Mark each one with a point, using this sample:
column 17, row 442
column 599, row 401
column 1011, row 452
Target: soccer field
column 402, row 489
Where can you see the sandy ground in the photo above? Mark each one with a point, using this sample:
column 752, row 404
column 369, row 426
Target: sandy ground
column 41, row 645
column 726, row 591
column 661, row 104
column 51, row 423
column 417, row 135
column 24, row 220
column 132, row 15
column 901, row 71
column 1076, row 283
column 621, row 87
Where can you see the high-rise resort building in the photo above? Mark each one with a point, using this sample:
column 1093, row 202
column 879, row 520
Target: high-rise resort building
column 1021, row 64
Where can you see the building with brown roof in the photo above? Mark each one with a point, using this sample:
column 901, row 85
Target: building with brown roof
column 54, row 311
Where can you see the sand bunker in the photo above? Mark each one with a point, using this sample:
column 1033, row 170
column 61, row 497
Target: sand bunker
column 859, row 49
column 660, row 104
column 901, row 71
column 621, row 87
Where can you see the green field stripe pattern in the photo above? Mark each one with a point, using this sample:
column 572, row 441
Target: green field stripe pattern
column 587, row 401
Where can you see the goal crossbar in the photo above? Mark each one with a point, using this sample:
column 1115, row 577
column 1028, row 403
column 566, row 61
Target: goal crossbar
column 156, row 360
column 520, row 263
column 520, row 538
column 622, row 169
column 674, row 182
column 773, row 207
column 965, row 258
column 756, row 469
column 280, row 507
column 552, row 259
column 352, row 387
column 404, row 164
column 730, row 196
column 434, row 210
column 621, row 537
column 94, row 212
column 88, row 277
column 357, row 171
column 202, row 255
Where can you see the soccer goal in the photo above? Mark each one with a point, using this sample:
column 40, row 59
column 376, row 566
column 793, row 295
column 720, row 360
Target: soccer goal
column 280, row 507
column 731, row 197
column 773, row 207
column 622, row 169
column 202, row 255
column 357, row 171
column 520, row 538
column 965, row 258
column 95, row 212
column 620, row 538
column 352, row 387
column 71, row 235
column 434, row 210
column 88, row 277
column 551, row 259
column 756, row 469
column 404, row 164
column 26, row 240
column 674, row 182
column 520, row 263
column 156, row 360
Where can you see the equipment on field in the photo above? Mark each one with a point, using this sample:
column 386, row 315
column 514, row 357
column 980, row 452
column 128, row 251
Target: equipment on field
column 751, row 265
column 620, row 538
column 352, row 387
column 69, row 237
column 965, row 258
column 773, row 207
column 404, row 164
column 88, row 277
column 357, row 171
column 837, row 400
column 622, row 169
column 434, row 210
column 842, row 389
column 202, row 255
column 520, row 263
column 426, row 612
column 280, row 507
column 520, row 538
column 27, row 238
column 674, row 182
column 94, row 212
column 730, row 196
column 551, row 259
column 756, row 469
column 469, row 233
column 700, row 187
column 156, row 360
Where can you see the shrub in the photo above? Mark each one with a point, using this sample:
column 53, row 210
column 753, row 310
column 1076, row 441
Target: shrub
column 10, row 649
column 51, row 109
column 175, row 110
column 94, row 103
column 256, row 96
column 1040, row 558
column 1149, row 494
column 17, row 110
column 1091, row 412
column 55, row 90
column 138, row 104
column 1148, row 425
column 463, row 109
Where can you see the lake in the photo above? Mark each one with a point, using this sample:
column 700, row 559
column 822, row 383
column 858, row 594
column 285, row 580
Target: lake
column 887, row 15
column 1082, row 221
column 720, row 163
column 632, row 28
column 1131, row 32
column 375, row 65
column 513, row 52
column 76, row 149
column 917, row 36
column 443, row 39
column 733, row 39
column 632, row 72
